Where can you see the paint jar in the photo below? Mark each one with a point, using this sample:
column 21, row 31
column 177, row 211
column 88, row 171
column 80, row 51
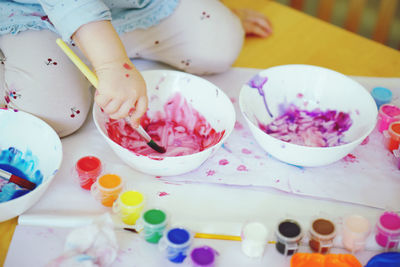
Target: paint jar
column 88, row 169
column 204, row 256
column 356, row 230
column 388, row 230
column 387, row 114
column 322, row 233
column 289, row 235
column 254, row 239
column 129, row 206
column 107, row 188
column 175, row 244
column 381, row 96
column 392, row 136
column 154, row 222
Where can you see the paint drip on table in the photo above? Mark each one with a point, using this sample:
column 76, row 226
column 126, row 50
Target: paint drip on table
column 180, row 128
column 315, row 128
column 23, row 165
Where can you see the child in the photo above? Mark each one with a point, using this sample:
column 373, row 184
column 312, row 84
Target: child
column 200, row 37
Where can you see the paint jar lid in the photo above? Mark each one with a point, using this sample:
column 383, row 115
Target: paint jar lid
column 387, row 259
column 89, row 165
column 131, row 198
column 289, row 231
column 203, row 256
column 255, row 232
column 178, row 237
column 154, row 218
column 389, row 222
column 323, row 229
column 382, row 95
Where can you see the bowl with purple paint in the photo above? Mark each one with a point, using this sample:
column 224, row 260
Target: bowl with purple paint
column 31, row 152
column 307, row 115
column 187, row 115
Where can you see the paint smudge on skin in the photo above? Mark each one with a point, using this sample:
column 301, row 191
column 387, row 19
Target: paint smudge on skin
column 223, row 162
column 238, row 125
column 350, row 158
column 162, row 194
column 127, row 75
column 20, row 164
column 127, row 66
column 314, row 128
column 242, row 168
column 257, row 82
column 210, row 172
column 246, row 151
column 180, row 129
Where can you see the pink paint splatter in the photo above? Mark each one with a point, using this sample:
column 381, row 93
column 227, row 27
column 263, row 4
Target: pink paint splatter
column 350, row 158
column 210, row 172
column 233, row 100
column 127, row 66
column 162, row 194
column 365, row 141
column 157, row 177
column 300, row 95
column 180, row 129
column 238, row 125
column 277, row 181
column 246, row 151
column 241, row 168
column 223, row 162
column 257, row 157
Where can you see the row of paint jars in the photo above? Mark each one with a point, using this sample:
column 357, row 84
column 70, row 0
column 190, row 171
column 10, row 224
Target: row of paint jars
column 355, row 231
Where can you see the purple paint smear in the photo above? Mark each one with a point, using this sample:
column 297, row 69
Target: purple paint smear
column 257, row 82
column 314, row 128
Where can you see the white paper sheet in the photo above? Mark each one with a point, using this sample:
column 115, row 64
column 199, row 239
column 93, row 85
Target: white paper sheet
column 369, row 179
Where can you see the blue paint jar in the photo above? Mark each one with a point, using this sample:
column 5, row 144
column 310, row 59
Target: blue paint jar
column 175, row 244
column 381, row 96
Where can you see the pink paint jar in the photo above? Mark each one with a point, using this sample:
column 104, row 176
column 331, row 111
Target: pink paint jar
column 88, row 169
column 388, row 230
column 392, row 136
column 356, row 230
column 388, row 113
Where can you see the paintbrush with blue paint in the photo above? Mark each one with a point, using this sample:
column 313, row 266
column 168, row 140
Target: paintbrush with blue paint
column 93, row 79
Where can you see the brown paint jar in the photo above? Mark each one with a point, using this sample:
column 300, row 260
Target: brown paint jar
column 322, row 234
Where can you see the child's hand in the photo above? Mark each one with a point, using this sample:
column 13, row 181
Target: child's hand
column 121, row 91
column 254, row 23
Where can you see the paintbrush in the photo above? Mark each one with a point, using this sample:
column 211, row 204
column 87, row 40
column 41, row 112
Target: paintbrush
column 94, row 81
column 17, row 180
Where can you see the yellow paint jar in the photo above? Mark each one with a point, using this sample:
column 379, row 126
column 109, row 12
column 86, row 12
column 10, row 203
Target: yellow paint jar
column 129, row 206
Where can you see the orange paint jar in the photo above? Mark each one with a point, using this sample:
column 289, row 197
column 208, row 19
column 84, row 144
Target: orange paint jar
column 392, row 136
column 107, row 188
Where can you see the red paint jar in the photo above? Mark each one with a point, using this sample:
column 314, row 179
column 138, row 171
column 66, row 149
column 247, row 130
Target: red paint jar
column 88, row 169
column 322, row 233
column 392, row 136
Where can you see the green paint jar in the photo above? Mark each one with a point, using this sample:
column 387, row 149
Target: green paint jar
column 154, row 223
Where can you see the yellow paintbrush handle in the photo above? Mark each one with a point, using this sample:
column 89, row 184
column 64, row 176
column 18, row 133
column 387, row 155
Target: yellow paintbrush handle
column 78, row 62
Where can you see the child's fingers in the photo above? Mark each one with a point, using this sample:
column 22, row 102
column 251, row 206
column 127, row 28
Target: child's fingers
column 112, row 107
column 261, row 21
column 102, row 100
column 256, row 30
column 140, row 109
column 123, row 110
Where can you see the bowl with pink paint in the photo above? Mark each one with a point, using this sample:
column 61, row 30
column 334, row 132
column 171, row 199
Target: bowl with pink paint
column 30, row 150
column 187, row 115
column 307, row 115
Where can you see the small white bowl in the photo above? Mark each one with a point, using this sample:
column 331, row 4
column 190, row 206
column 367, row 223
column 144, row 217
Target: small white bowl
column 28, row 133
column 308, row 87
column 210, row 101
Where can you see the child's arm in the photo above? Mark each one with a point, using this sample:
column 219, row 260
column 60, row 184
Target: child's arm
column 121, row 90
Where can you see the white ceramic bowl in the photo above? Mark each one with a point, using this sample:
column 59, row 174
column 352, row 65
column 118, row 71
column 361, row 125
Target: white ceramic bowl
column 28, row 133
column 319, row 88
column 205, row 97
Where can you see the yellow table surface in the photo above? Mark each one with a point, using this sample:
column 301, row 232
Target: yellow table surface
column 297, row 39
